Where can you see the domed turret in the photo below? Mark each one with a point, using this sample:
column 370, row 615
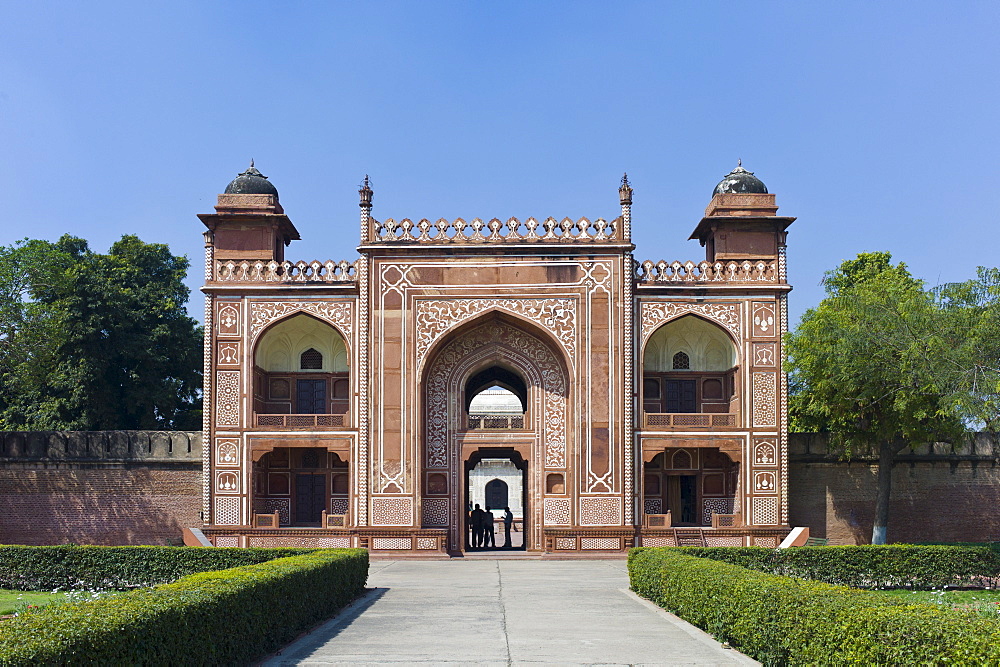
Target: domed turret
column 251, row 182
column 740, row 181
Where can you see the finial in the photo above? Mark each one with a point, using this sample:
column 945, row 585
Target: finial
column 251, row 163
column 366, row 193
column 739, row 162
column 625, row 191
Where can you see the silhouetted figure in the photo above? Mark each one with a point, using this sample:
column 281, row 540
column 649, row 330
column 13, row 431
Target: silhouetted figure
column 508, row 522
column 489, row 535
column 468, row 523
column 477, row 526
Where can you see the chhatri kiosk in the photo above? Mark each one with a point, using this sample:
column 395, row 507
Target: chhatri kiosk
column 611, row 402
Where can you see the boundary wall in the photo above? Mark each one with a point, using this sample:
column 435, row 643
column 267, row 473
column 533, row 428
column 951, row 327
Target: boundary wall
column 144, row 487
column 940, row 493
column 99, row 487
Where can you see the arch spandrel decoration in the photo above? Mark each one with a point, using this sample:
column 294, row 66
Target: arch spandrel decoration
column 656, row 314
column 340, row 314
column 522, row 350
column 435, row 317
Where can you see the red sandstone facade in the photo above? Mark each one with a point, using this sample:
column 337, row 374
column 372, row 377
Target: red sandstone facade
column 337, row 394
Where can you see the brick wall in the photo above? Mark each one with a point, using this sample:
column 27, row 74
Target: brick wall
column 127, row 487
column 143, row 487
column 938, row 494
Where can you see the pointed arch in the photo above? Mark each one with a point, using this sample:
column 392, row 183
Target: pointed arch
column 661, row 346
column 489, row 340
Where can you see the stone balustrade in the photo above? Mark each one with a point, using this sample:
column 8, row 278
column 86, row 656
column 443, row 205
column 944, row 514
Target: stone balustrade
column 707, row 272
column 513, row 230
column 688, row 419
column 286, row 272
column 496, row 422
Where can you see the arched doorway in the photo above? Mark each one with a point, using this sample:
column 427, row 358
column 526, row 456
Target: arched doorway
column 496, row 479
column 300, row 484
column 468, row 410
column 690, row 484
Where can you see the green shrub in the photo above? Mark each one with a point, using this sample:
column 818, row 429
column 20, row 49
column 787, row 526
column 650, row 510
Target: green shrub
column 71, row 567
column 228, row 616
column 783, row 620
column 893, row 566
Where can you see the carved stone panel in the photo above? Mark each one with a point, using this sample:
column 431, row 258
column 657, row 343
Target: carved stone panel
column 764, row 386
column 338, row 313
column 227, row 398
column 765, row 324
column 227, row 452
column 228, row 318
column 655, row 314
column 229, row 353
column 435, row 317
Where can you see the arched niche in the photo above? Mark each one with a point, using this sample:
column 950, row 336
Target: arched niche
column 689, row 366
column 280, row 349
column 301, row 368
column 691, row 484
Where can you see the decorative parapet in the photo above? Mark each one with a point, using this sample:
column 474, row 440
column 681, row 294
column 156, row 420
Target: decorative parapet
column 513, row 230
column 286, row 272
column 707, row 272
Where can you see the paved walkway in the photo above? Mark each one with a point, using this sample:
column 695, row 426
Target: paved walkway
column 504, row 612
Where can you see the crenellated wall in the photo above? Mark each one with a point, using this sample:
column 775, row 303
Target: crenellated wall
column 141, row 487
column 107, row 487
column 939, row 493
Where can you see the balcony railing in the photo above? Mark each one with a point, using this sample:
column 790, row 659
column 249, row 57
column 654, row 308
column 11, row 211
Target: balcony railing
column 688, row 419
column 300, row 421
column 707, row 272
column 260, row 271
column 496, row 422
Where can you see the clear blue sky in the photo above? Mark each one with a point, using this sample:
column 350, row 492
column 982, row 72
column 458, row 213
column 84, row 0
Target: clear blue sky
column 876, row 123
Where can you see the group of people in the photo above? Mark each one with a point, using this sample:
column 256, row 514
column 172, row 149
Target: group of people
column 482, row 531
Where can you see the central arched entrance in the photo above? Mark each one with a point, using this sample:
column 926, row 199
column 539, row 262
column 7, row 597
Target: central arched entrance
column 494, row 391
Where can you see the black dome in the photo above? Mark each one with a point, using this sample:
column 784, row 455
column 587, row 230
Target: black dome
column 251, row 182
column 740, row 180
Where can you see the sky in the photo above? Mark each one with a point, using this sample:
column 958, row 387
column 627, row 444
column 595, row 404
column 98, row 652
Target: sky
column 875, row 123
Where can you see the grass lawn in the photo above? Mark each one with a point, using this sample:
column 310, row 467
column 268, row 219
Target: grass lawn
column 12, row 601
column 986, row 602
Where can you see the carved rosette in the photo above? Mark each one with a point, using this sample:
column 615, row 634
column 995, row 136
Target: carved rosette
column 338, row 313
column 435, row 317
column 655, row 314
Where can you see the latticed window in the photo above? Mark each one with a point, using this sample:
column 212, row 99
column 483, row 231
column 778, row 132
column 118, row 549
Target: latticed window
column 311, row 360
column 682, row 361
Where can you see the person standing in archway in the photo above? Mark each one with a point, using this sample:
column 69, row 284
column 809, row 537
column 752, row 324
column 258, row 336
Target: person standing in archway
column 477, row 526
column 508, row 521
column 489, row 535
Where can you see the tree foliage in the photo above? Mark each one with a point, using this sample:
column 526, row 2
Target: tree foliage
column 884, row 363
column 94, row 341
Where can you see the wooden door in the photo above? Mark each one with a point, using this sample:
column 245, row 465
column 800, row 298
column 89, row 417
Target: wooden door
column 310, row 397
column 310, row 497
column 681, row 396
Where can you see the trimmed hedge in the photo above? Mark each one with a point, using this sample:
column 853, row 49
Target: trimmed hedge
column 782, row 620
column 892, row 566
column 72, row 567
column 231, row 616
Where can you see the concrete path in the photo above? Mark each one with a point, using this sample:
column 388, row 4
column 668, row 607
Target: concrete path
column 503, row 612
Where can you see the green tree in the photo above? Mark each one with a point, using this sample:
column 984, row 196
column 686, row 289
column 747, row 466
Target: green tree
column 96, row 341
column 876, row 365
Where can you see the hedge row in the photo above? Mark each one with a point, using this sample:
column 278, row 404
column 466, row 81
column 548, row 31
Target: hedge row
column 782, row 620
column 893, row 566
column 229, row 616
column 73, row 567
